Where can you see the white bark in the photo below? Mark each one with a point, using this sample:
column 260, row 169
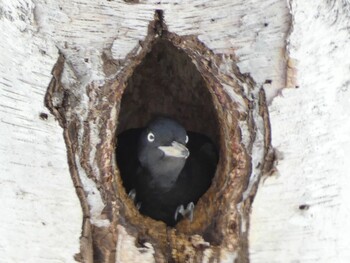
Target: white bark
column 41, row 215
column 310, row 128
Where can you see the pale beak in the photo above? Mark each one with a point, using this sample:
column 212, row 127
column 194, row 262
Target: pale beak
column 176, row 149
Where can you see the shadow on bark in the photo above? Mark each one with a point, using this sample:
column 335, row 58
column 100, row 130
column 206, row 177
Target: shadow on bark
column 180, row 77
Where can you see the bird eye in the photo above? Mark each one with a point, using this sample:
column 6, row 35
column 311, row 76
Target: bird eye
column 150, row 137
column 186, row 138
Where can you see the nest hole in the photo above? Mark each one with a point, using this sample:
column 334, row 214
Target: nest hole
column 167, row 83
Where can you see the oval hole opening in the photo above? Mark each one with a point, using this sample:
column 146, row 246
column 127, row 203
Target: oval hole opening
column 167, row 83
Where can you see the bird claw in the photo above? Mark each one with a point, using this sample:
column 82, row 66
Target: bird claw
column 188, row 212
column 132, row 194
column 179, row 210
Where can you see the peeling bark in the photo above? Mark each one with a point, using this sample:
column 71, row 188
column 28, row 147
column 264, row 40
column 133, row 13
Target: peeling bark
column 88, row 113
column 102, row 49
column 298, row 213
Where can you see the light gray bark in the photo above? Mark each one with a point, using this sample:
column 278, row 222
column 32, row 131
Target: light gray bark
column 299, row 213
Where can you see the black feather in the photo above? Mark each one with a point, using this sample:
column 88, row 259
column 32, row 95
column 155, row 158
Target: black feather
column 162, row 184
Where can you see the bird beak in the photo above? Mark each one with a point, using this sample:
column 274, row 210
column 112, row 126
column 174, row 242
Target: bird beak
column 175, row 150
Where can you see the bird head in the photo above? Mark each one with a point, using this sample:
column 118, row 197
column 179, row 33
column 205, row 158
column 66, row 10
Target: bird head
column 162, row 147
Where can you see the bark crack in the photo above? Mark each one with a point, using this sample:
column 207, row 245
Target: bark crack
column 219, row 228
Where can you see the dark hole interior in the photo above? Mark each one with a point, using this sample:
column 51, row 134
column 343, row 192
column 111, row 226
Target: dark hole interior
column 167, row 83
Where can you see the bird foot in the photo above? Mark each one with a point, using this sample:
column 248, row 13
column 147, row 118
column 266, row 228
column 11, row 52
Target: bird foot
column 132, row 196
column 179, row 210
column 188, row 212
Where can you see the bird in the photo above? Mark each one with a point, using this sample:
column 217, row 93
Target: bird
column 165, row 169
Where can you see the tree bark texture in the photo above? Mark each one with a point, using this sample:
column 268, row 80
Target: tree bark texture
column 300, row 214
column 113, row 64
column 180, row 77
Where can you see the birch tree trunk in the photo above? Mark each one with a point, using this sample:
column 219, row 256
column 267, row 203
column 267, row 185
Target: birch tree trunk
column 89, row 70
